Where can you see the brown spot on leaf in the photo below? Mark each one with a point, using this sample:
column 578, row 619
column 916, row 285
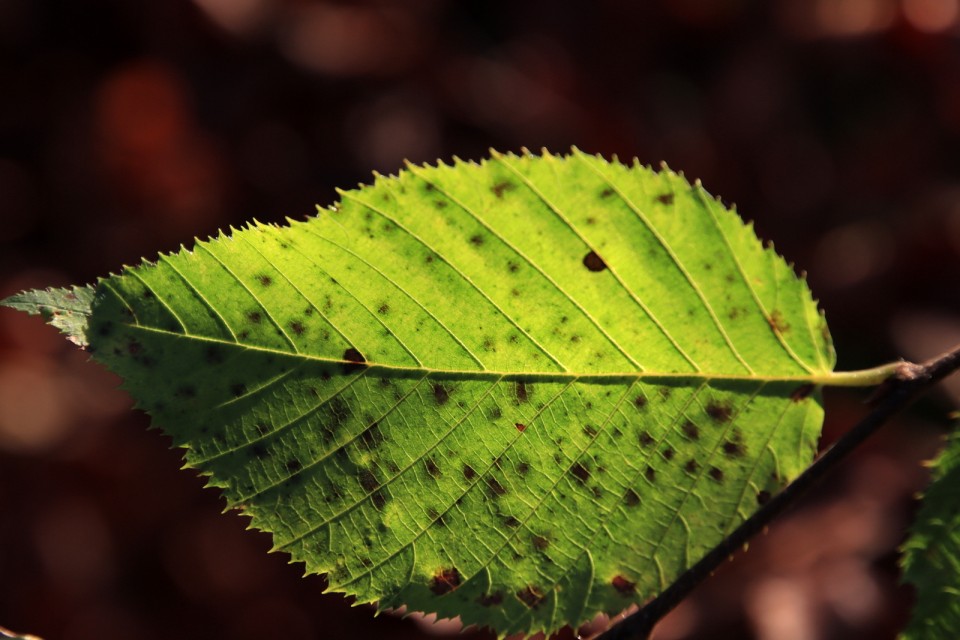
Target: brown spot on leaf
column 468, row 472
column 356, row 359
column 802, row 392
column 368, row 480
column 491, row 600
column 631, row 498
column 733, row 449
column 665, row 198
column 521, row 391
column 445, row 581
column 432, row 467
column 372, row 436
column 623, row 586
column 352, row 355
column 530, row 596
column 777, row 322
column 501, row 187
column 440, row 394
column 650, row 474
column 668, row 453
column 298, row 327
column 690, row 430
column 606, row 193
column 520, row 427
column 541, row 542
column 593, row 262
column 496, row 489
column 580, row 472
column 646, row 439
column 716, row 474
column 719, row 411
column 691, row 467
column 476, row 240
column 264, row 280
column 639, row 402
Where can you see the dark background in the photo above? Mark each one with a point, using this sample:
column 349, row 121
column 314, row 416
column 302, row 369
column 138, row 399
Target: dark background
column 127, row 128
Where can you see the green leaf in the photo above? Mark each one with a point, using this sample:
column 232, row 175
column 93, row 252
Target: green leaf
column 66, row 309
column 521, row 392
column 931, row 554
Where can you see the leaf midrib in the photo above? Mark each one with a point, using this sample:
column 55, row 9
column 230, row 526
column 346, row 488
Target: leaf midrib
column 817, row 378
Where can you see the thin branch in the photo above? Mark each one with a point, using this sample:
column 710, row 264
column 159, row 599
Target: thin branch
column 907, row 383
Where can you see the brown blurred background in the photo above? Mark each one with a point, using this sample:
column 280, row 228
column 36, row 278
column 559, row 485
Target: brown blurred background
column 127, row 128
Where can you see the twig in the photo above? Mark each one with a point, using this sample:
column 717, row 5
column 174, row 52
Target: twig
column 908, row 382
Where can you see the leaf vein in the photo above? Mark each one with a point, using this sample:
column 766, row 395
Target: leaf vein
column 559, row 214
column 462, row 275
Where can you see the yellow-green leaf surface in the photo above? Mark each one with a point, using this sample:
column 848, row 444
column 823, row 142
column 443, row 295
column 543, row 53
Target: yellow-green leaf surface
column 521, row 392
column 931, row 555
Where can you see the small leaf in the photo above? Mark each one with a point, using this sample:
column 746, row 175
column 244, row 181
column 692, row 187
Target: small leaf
column 521, row 392
column 931, row 554
column 66, row 309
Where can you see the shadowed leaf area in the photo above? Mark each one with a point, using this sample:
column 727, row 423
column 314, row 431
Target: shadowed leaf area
column 522, row 392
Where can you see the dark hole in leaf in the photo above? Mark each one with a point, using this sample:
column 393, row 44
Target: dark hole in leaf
column 593, row 262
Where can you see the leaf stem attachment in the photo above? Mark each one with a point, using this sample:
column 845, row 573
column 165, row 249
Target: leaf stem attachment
column 901, row 385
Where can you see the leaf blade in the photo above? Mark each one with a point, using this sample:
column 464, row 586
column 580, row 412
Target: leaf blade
column 932, row 552
column 520, row 392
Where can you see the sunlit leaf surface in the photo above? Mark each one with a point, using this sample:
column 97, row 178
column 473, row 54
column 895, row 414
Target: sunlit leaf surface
column 521, row 392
